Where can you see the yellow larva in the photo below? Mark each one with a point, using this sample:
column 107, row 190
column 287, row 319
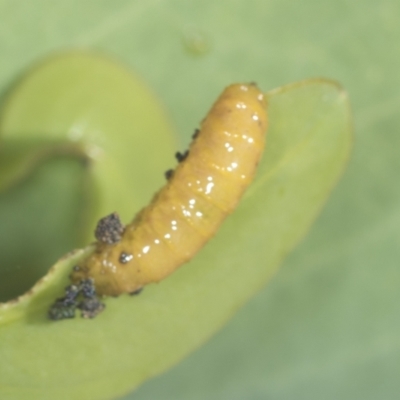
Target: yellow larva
column 204, row 188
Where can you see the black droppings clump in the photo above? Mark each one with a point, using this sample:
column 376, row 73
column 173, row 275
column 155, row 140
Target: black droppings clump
column 136, row 292
column 71, row 293
column 195, row 133
column 82, row 296
column 168, row 174
column 59, row 310
column 109, row 229
column 87, row 288
column 91, row 307
column 181, row 156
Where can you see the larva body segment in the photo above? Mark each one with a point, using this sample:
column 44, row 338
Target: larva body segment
column 204, row 188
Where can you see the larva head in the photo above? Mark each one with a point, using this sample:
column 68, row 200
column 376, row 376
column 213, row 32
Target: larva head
column 245, row 97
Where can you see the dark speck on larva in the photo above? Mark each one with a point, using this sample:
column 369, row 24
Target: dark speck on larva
column 125, row 257
column 136, row 292
column 109, row 229
column 168, row 174
column 195, row 133
column 181, row 156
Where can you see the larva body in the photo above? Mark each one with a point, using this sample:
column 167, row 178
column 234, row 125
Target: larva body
column 204, row 188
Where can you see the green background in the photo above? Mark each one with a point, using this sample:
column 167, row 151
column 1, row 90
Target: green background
column 327, row 326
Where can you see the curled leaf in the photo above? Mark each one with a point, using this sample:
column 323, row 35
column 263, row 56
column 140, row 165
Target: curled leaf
column 308, row 146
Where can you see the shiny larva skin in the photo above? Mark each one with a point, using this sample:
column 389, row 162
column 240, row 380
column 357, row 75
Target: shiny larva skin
column 187, row 211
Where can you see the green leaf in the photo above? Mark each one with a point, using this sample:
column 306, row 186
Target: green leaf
column 135, row 338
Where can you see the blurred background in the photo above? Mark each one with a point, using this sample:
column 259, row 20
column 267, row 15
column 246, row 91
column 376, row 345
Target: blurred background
column 327, row 326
